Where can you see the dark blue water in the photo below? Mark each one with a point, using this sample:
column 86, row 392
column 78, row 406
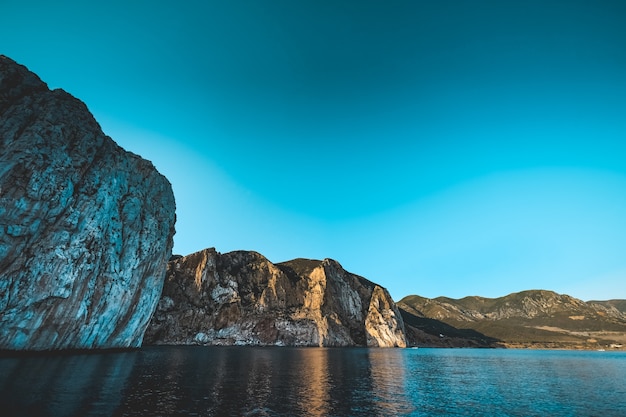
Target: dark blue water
column 239, row 381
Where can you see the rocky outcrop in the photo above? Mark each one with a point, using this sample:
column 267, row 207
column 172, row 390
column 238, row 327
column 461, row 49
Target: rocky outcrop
column 535, row 318
column 241, row 298
column 85, row 227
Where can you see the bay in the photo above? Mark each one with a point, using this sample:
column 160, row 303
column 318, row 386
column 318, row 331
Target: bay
column 282, row 381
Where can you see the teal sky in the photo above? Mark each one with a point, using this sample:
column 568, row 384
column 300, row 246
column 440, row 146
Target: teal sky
column 435, row 147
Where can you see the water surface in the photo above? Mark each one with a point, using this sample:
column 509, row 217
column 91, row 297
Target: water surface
column 246, row 381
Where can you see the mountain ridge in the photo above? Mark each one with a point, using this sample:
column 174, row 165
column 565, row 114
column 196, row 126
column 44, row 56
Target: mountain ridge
column 531, row 318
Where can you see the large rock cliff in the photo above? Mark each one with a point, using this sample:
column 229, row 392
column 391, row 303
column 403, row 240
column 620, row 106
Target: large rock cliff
column 85, row 227
column 241, row 298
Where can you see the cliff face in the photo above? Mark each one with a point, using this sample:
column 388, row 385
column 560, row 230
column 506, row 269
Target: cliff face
column 535, row 318
column 85, row 227
column 242, row 298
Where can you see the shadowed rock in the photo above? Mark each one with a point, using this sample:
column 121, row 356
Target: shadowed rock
column 85, row 227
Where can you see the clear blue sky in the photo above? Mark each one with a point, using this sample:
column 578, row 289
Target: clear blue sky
column 435, row 147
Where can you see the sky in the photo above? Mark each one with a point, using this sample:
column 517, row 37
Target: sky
column 439, row 148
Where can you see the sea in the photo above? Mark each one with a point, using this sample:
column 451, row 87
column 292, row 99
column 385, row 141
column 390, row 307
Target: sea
column 287, row 381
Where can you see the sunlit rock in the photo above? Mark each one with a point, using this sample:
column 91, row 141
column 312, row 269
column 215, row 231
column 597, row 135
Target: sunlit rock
column 85, row 227
column 241, row 298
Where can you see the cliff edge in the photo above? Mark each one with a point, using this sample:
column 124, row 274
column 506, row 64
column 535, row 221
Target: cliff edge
column 85, row 227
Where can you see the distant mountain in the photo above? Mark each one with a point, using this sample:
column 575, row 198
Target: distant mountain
column 618, row 304
column 536, row 318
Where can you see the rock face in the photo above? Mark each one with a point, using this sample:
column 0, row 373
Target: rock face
column 85, row 227
column 241, row 298
column 535, row 318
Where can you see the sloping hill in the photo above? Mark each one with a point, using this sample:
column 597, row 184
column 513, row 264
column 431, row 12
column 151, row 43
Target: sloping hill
column 618, row 304
column 535, row 318
column 427, row 332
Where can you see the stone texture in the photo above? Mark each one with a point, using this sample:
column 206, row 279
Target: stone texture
column 241, row 298
column 85, row 227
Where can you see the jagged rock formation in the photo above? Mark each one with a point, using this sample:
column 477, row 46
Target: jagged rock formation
column 535, row 318
column 85, row 227
column 241, row 298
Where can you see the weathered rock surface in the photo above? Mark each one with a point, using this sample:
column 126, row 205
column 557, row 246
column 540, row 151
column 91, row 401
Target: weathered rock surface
column 241, row 298
column 85, row 227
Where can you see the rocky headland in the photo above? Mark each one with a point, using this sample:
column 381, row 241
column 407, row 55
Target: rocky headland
column 86, row 232
column 241, row 298
column 85, row 227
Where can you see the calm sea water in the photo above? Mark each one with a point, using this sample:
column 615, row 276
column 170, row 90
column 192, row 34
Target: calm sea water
column 242, row 381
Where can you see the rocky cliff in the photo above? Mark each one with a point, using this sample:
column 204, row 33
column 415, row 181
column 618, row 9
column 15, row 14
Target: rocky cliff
column 85, row 227
column 241, row 298
column 535, row 318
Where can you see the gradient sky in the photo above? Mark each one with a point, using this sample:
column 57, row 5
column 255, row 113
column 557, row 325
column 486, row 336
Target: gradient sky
column 435, row 147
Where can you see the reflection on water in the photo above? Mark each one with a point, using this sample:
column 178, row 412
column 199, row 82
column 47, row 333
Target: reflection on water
column 71, row 385
column 312, row 393
column 234, row 381
column 388, row 379
column 262, row 381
